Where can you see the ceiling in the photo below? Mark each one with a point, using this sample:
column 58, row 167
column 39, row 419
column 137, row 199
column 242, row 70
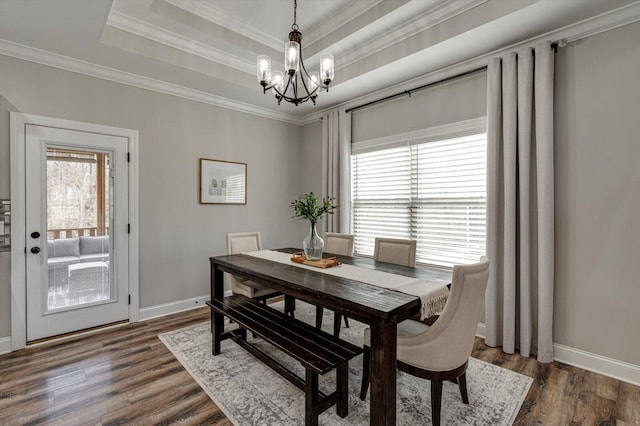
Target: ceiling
column 206, row 49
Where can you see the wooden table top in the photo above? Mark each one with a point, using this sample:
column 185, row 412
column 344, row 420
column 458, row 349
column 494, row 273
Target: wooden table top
column 356, row 299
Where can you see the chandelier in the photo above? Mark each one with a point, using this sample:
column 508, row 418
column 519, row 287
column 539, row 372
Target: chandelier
column 298, row 85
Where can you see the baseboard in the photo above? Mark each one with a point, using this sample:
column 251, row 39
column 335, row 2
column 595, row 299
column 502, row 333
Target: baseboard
column 174, row 307
column 481, row 330
column 5, row 345
column 609, row 367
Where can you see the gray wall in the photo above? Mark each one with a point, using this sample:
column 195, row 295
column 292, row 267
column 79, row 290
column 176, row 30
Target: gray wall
column 597, row 173
column 598, row 195
column 177, row 235
column 458, row 100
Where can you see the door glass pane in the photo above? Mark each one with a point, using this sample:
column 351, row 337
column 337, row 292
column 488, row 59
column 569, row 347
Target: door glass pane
column 78, row 249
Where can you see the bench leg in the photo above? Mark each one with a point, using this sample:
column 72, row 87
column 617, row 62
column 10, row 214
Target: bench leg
column 342, row 386
column 311, row 399
column 337, row 322
column 289, row 305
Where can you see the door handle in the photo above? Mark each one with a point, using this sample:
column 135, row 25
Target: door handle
column 35, row 250
column 35, row 234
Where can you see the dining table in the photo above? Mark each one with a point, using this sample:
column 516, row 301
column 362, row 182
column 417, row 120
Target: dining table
column 379, row 307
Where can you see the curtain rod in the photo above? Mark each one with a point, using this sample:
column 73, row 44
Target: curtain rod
column 554, row 46
column 415, row 89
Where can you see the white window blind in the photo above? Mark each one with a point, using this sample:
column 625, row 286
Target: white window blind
column 433, row 192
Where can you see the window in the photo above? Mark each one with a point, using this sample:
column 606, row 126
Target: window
column 430, row 189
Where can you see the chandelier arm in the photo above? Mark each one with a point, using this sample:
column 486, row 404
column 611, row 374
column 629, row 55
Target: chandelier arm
column 309, row 77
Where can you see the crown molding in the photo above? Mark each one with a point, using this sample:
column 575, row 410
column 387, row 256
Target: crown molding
column 337, row 19
column 422, row 22
column 214, row 14
column 31, row 54
column 161, row 35
column 599, row 24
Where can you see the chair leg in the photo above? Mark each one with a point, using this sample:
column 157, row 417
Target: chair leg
column 436, row 401
column 366, row 367
column 462, row 385
column 319, row 314
column 346, row 322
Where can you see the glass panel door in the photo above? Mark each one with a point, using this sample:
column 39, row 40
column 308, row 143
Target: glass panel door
column 78, row 222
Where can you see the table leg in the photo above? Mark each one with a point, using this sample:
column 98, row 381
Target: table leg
column 383, row 372
column 217, row 320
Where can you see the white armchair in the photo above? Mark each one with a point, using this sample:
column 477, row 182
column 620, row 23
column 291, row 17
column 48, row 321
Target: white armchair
column 441, row 351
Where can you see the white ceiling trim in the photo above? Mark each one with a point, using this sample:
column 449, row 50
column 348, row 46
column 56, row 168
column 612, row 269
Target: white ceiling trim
column 213, row 14
column 422, row 22
column 564, row 36
column 31, row 54
column 161, row 35
column 341, row 17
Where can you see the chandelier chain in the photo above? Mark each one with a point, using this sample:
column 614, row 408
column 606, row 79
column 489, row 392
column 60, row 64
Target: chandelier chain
column 295, row 27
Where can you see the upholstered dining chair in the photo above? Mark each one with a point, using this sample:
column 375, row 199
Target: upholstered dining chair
column 396, row 251
column 342, row 245
column 441, row 351
column 243, row 242
column 336, row 243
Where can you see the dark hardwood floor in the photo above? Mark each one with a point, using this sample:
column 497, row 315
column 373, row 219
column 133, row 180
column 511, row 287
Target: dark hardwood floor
column 125, row 375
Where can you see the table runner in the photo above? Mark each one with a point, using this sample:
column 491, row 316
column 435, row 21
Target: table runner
column 433, row 295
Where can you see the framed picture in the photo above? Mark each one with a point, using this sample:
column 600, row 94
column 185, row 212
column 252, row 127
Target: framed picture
column 222, row 182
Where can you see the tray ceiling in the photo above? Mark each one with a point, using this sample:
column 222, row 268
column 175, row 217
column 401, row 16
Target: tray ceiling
column 210, row 46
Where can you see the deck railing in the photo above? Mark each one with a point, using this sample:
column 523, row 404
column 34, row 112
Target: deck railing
column 54, row 234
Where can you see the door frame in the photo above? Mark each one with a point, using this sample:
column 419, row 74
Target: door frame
column 18, row 205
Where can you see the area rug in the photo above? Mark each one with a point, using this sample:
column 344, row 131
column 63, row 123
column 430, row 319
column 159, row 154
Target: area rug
column 250, row 393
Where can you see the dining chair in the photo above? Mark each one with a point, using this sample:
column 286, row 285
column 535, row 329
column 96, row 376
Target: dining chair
column 336, row 243
column 342, row 245
column 396, row 251
column 243, row 242
column 440, row 352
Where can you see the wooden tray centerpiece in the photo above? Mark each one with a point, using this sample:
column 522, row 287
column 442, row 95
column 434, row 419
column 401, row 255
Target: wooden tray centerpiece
column 326, row 262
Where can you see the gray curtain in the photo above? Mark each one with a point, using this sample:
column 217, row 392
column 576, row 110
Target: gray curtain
column 336, row 168
column 520, row 206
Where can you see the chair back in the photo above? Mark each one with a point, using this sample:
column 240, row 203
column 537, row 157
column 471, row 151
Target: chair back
column 448, row 343
column 341, row 244
column 396, row 251
column 243, row 242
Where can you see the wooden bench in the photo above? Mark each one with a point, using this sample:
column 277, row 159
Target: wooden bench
column 318, row 352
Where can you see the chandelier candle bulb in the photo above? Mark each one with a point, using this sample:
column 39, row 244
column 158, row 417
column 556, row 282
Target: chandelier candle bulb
column 326, row 68
column 291, row 57
column 264, row 70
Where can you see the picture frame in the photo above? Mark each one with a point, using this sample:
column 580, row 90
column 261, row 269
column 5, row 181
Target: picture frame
column 222, row 182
